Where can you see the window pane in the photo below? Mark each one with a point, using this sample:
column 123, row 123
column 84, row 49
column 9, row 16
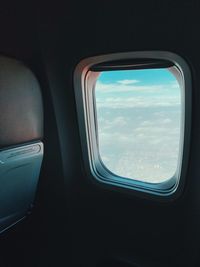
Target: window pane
column 138, row 119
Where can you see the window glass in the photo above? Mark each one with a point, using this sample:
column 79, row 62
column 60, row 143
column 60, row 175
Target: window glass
column 138, row 116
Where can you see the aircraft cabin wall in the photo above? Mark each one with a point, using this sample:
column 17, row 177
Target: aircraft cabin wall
column 76, row 221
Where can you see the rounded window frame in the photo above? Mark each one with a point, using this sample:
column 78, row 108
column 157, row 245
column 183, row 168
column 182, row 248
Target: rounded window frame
column 84, row 83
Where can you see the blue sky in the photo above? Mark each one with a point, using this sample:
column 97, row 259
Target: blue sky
column 138, row 115
column 146, row 77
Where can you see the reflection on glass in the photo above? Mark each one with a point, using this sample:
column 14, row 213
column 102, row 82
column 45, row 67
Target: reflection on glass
column 138, row 117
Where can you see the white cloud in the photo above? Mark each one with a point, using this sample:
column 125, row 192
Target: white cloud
column 143, row 147
column 115, row 122
column 139, row 133
column 174, row 85
column 102, row 88
column 138, row 101
column 126, row 82
column 132, row 86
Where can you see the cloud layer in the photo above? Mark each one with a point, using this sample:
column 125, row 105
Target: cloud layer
column 139, row 128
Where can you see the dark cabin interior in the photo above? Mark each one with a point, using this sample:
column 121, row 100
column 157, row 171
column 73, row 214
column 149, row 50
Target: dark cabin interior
column 75, row 222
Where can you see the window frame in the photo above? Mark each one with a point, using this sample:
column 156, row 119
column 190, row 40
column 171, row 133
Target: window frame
column 85, row 76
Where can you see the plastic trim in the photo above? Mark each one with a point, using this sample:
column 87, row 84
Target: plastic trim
column 84, row 81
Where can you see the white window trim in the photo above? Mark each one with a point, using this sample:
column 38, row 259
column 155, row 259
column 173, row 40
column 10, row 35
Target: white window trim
column 84, row 81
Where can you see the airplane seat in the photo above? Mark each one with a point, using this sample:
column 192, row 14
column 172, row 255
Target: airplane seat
column 21, row 132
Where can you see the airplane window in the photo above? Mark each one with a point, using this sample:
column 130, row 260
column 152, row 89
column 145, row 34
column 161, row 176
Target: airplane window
column 138, row 118
column 134, row 112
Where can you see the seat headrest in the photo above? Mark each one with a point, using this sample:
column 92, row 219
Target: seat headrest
column 21, row 109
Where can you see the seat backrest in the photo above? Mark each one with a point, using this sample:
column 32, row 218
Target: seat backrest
column 21, row 132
